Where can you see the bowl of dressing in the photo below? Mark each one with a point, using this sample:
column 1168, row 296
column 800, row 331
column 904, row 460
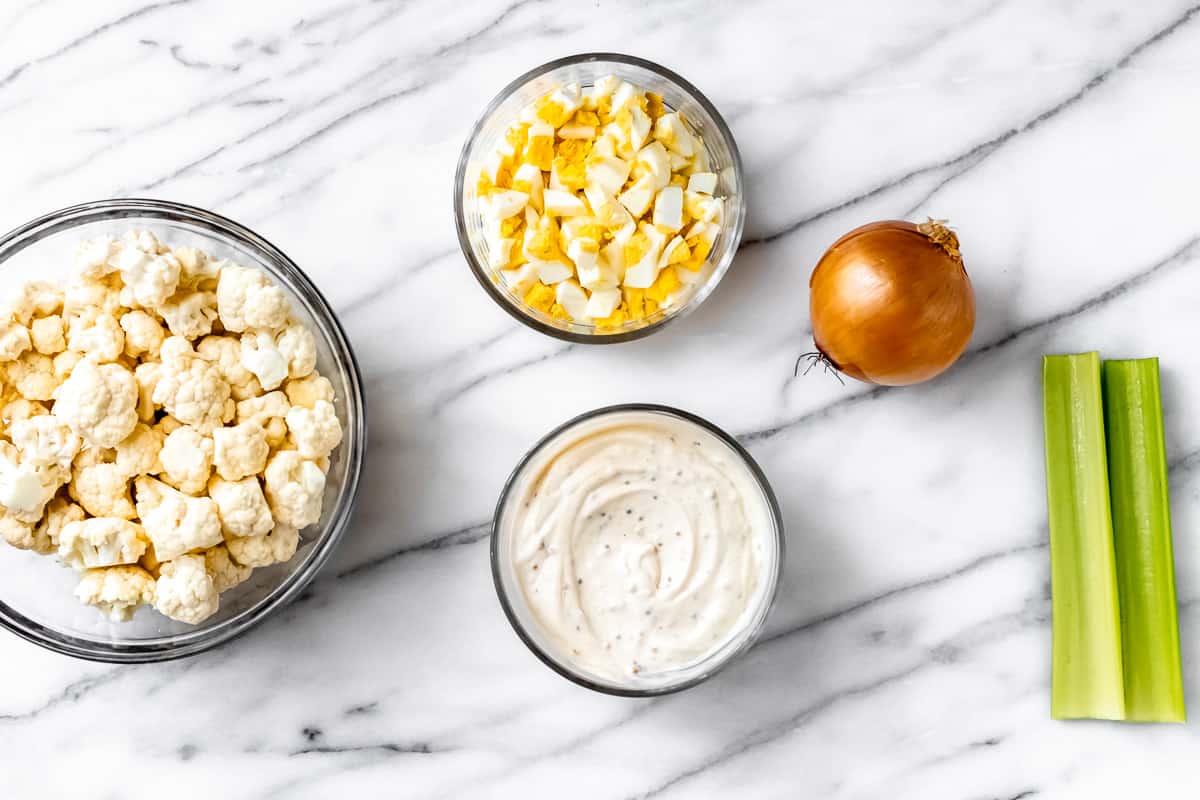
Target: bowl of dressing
column 637, row 549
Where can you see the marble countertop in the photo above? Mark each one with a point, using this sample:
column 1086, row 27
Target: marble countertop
column 908, row 655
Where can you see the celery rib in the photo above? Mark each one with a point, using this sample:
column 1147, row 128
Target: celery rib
column 1141, row 520
column 1086, row 679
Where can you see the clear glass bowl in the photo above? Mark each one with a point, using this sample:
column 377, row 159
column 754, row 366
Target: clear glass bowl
column 584, row 69
column 36, row 599
column 527, row 627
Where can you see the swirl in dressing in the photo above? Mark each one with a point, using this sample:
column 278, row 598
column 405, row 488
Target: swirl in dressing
column 639, row 547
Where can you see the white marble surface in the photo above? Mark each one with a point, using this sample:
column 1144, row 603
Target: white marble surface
column 908, row 656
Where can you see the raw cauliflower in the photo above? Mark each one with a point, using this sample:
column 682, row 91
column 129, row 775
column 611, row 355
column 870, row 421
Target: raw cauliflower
column 187, row 457
column 185, row 591
column 101, row 485
column 102, row 391
column 149, row 278
column 65, row 363
column 143, row 335
column 226, row 353
column 25, row 489
column 262, row 551
column 138, row 453
column 242, row 507
column 101, row 542
column 240, row 450
column 45, row 440
column 176, row 523
column 295, row 489
column 24, row 535
column 14, row 340
column 99, row 402
column 147, row 376
column 299, row 347
column 197, row 270
column 117, row 591
column 97, row 335
column 59, row 512
column 315, row 431
column 34, row 299
column 261, row 356
column 46, row 335
column 307, row 391
column 32, row 375
column 190, row 314
column 273, row 405
column 247, row 299
column 224, row 571
column 191, row 389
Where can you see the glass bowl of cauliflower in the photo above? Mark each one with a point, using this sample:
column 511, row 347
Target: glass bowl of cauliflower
column 182, row 430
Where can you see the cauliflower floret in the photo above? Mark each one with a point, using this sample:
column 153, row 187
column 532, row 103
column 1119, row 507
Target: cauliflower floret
column 23, row 535
column 150, row 275
column 189, row 314
column 92, row 257
column 242, row 506
column 316, row 431
column 198, row 271
column 101, row 542
column 185, row 591
column 246, row 298
column 117, row 591
column 167, row 425
column 224, row 571
column 46, row 335
column 84, row 296
column 191, row 389
column 65, row 363
column 97, row 335
column 299, row 347
column 45, row 440
column 14, row 340
column 187, row 457
column 34, row 299
column 101, row 485
column 226, row 353
column 18, row 408
column 32, row 375
column 261, row 357
column 240, row 450
column 143, row 335
column 25, row 489
column 99, row 402
column 273, row 405
column 176, row 523
column 138, row 453
column 147, row 375
column 295, row 489
column 307, row 391
column 59, row 511
column 262, row 551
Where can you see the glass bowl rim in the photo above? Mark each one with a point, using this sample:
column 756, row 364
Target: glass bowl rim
column 482, row 272
column 174, row 646
column 751, row 633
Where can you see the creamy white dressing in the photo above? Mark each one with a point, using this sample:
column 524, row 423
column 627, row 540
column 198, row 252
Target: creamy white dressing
column 640, row 544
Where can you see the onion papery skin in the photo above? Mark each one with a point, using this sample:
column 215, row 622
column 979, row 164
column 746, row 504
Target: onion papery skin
column 891, row 302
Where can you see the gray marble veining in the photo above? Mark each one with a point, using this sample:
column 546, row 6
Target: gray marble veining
column 908, row 656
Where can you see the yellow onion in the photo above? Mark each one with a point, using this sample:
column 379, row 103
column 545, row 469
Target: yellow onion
column 891, row 302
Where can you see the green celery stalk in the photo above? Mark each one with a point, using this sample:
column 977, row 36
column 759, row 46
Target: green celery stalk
column 1141, row 519
column 1086, row 679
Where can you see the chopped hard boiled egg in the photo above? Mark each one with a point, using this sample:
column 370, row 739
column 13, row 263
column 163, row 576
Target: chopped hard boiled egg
column 598, row 205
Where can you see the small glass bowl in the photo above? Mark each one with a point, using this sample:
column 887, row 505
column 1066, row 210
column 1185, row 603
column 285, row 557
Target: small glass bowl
column 516, row 608
column 585, row 68
column 36, row 592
